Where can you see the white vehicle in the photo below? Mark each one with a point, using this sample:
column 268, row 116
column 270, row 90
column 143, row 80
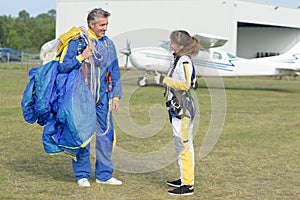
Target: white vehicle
column 214, row 62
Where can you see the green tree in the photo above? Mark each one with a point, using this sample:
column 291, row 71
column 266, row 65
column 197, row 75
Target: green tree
column 43, row 29
column 14, row 40
column 24, row 15
column 25, row 32
column 6, row 24
column 52, row 13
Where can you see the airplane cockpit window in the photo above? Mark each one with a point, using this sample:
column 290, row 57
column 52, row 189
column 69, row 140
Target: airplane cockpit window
column 204, row 54
column 217, row 55
column 165, row 45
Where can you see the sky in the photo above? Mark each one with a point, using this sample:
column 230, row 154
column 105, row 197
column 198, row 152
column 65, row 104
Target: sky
column 36, row 7
column 285, row 3
column 33, row 7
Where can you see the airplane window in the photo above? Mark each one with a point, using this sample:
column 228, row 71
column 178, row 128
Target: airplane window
column 204, row 54
column 165, row 45
column 231, row 56
column 217, row 56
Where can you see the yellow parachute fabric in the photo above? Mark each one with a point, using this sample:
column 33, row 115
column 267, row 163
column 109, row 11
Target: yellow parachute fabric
column 65, row 38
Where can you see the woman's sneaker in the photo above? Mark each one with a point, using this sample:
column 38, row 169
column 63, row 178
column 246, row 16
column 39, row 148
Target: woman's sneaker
column 176, row 183
column 183, row 190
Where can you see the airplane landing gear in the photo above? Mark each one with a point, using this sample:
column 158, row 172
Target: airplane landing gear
column 195, row 86
column 142, row 81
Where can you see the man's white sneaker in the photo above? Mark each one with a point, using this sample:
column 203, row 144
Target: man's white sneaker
column 111, row 181
column 84, row 182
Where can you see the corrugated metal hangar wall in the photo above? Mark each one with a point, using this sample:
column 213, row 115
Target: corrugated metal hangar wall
column 250, row 27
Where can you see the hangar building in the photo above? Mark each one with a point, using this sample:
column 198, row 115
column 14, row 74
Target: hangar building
column 252, row 29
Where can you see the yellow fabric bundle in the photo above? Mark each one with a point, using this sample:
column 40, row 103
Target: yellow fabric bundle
column 65, row 38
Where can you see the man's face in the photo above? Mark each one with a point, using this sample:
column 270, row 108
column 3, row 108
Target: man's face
column 100, row 27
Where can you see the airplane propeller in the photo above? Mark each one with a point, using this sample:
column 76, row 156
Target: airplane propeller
column 126, row 52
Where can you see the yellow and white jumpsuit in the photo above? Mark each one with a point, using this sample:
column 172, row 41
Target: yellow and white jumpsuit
column 179, row 81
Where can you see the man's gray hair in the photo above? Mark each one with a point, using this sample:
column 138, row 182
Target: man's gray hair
column 95, row 14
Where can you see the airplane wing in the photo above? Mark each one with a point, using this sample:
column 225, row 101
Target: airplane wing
column 206, row 40
column 288, row 68
column 281, row 63
column 210, row 41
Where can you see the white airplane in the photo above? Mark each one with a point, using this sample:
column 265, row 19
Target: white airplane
column 214, row 62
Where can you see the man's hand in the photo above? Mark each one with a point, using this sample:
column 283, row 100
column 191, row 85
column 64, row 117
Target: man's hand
column 87, row 53
column 115, row 105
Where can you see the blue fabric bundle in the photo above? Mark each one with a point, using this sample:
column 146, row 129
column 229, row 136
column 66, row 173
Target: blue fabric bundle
column 36, row 99
column 64, row 104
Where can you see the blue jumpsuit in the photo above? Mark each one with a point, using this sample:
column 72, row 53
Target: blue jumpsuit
column 105, row 59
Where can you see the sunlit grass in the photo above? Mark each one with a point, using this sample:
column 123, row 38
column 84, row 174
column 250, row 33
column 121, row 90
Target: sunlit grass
column 256, row 156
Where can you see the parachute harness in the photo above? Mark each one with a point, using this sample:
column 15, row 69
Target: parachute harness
column 93, row 88
column 181, row 104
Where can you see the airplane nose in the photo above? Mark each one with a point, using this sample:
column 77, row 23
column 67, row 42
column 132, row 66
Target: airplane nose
column 126, row 52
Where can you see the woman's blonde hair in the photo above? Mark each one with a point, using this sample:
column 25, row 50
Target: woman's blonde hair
column 191, row 45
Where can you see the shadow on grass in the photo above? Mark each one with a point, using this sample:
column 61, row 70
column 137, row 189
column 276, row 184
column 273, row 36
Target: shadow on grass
column 242, row 88
column 234, row 88
column 254, row 89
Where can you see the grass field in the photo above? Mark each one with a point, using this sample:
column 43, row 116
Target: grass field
column 256, row 156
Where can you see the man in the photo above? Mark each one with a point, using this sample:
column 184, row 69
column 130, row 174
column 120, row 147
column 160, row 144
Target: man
column 96, row 55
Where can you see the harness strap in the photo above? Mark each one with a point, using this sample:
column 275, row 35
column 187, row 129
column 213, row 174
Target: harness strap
column 178, row 104
column 85, row 73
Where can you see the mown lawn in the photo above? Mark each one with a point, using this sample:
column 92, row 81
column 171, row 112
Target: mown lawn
column 256, row 155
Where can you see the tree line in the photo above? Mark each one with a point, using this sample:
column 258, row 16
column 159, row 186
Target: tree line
column 25, row 33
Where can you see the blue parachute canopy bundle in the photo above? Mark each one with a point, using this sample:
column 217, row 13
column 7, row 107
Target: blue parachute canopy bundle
column 77, row 111
column 28, row 100
column 64, row 104
column 36, row 99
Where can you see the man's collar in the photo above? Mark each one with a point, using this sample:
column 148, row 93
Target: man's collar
column 92, row 35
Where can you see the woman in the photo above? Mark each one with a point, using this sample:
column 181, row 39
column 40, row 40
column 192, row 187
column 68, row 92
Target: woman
column 179, row 81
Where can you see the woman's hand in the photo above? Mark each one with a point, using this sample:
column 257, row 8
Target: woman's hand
column 157, row 77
